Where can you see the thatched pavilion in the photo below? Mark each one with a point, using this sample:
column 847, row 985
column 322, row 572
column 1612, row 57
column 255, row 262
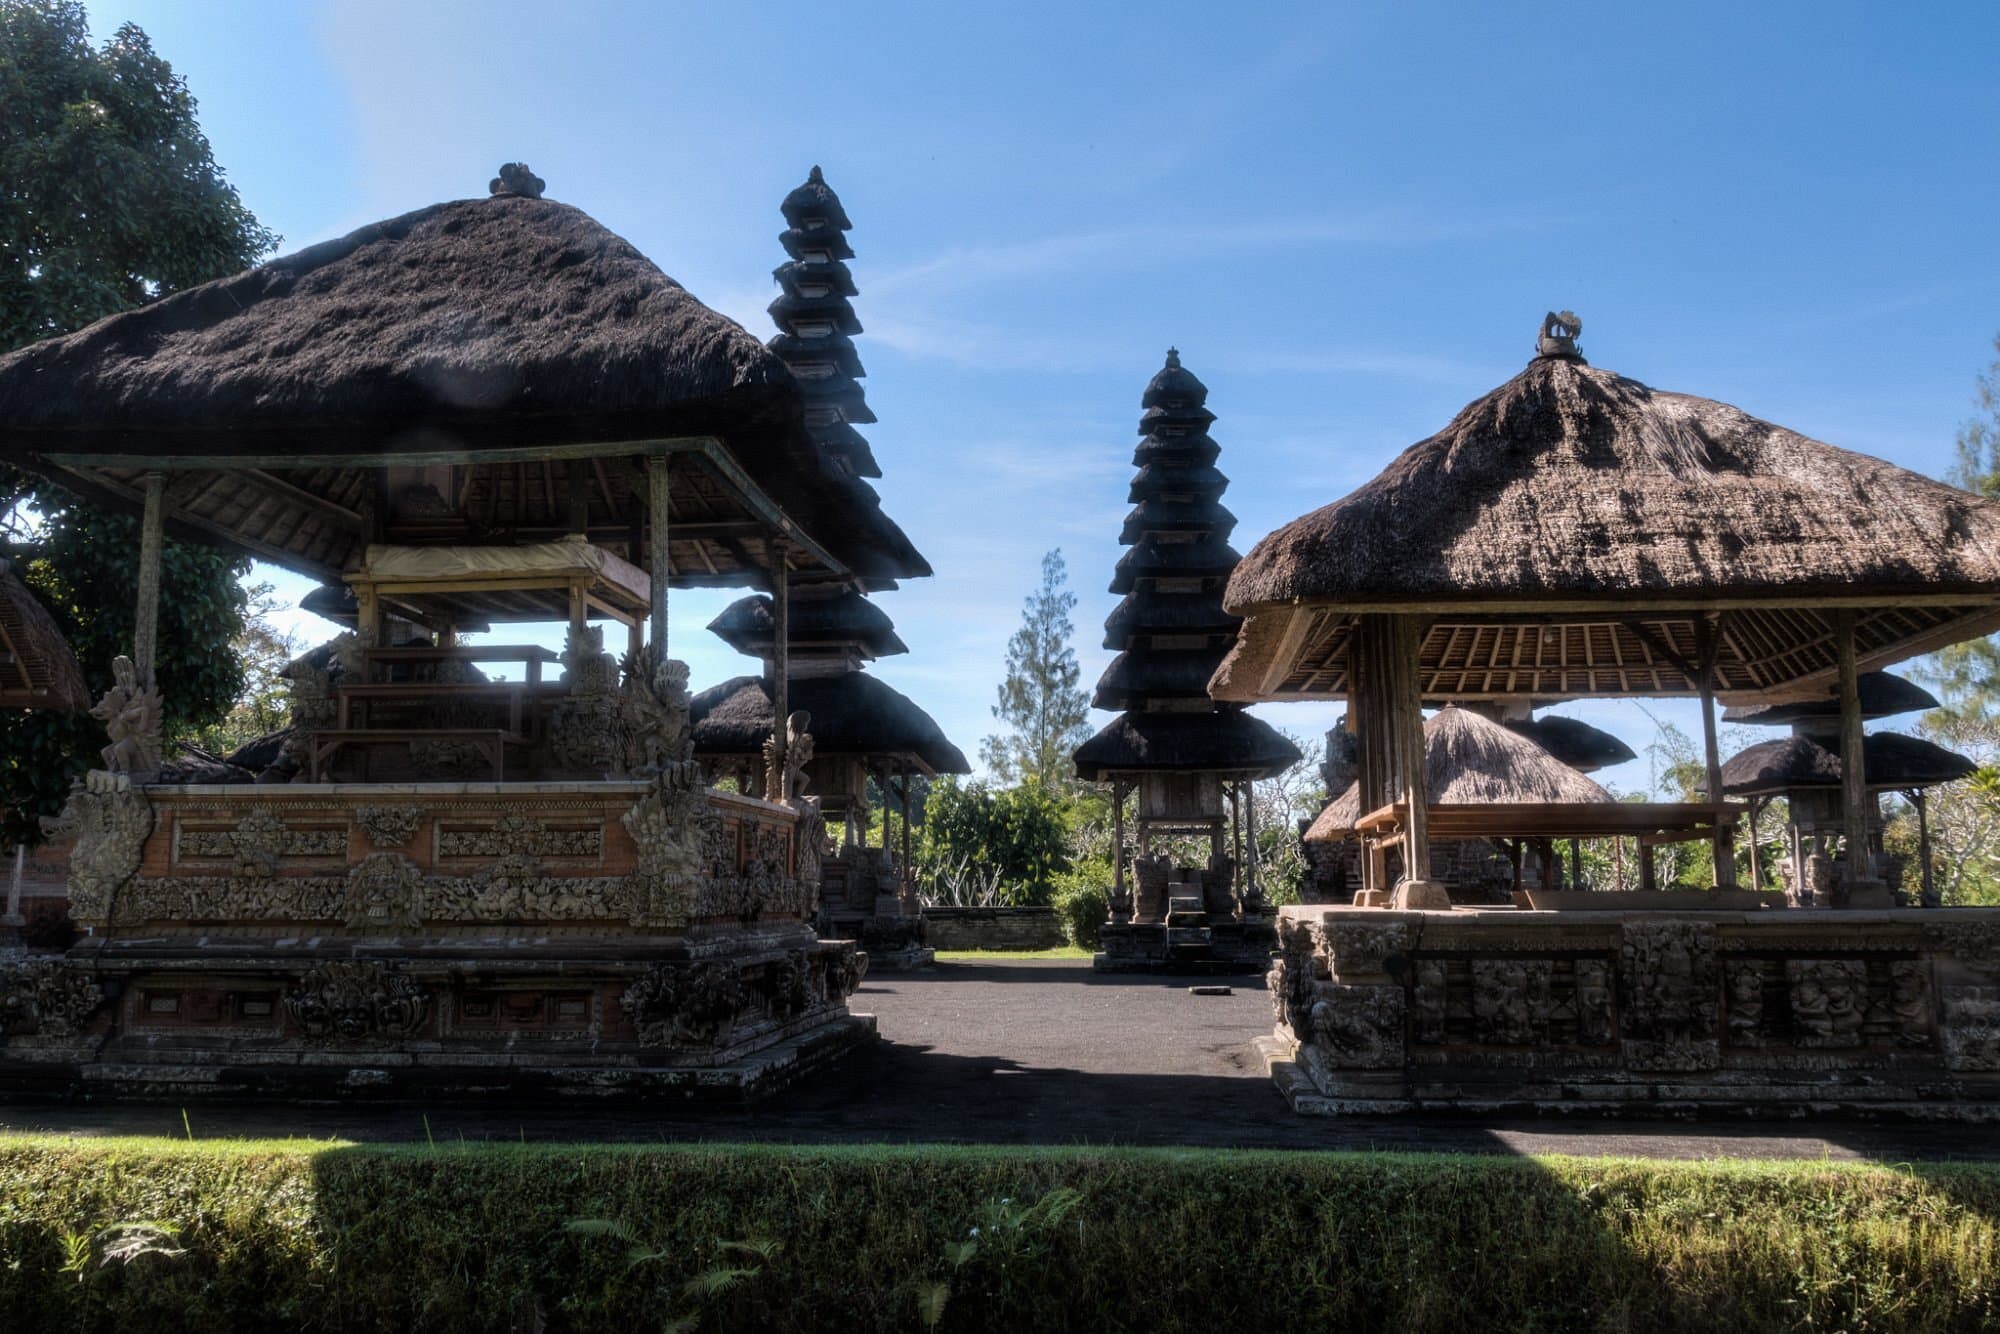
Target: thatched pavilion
column 486, row 411
column 1578, row 534
column 1190, row 761
column 1574, row 533
column 37, row 668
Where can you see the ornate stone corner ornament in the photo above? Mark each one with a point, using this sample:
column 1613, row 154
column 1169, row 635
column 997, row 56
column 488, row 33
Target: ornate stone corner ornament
column 46, row 998
column 682, row 1004
column 259, row 843
column 791, row 986
column 130, row 712
column 1354, row 1028
column 386, row 892
column 785, row 763
column 669, row 826
column 351, row 1000
column 389, row 827
column 110, row 819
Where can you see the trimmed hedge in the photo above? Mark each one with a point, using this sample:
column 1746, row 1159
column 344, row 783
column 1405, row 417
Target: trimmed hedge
column 296, row 1235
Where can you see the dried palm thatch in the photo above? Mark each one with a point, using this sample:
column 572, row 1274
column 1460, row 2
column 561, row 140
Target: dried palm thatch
column 1568, row 530
column 852, row 714
column 37, row 668
column 1470, row 761
column 461, row 328
column 1225, row 741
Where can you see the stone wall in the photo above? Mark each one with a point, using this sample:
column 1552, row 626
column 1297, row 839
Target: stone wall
column 1771, row 1011
column 992, row 929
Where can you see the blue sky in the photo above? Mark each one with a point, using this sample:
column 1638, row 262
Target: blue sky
column 1350, row 218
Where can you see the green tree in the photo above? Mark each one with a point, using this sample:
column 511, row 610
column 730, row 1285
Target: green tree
column 111, row 198
column 1968, row 674
column 1046, row 713
column 1019, row 836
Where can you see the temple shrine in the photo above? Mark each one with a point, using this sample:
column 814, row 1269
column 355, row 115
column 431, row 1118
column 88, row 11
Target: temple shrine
column 1189, row 761
column 484, row 413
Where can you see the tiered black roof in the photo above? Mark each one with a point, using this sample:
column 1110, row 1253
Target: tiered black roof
column 816, row 325
column 1170, row 629
column 1881, row 695
column 843, row 624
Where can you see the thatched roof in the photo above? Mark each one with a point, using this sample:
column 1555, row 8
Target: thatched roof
column 1888, row 760
column 1881, row 695
column 465, row 328
column 845, row 620
column 1226, row 741
column 37, row 668
column 1583, row 522
column 852, row 714
column 1573, row 742
column 1471, row 761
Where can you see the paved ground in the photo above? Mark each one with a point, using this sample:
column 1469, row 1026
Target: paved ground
column 1035, row 1052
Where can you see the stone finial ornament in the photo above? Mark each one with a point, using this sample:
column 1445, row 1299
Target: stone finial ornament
column 1558, row 338
column 516, row 179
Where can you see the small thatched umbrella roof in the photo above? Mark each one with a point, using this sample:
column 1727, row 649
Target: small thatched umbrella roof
column 37, row 668
column 1889, row 760
column 482, row 333
column 1881, row 695
column 1568, row 532
column 1226, row 741
column 846, row 621
column 1470, row 761
column 1572, row 741
column 852, row 714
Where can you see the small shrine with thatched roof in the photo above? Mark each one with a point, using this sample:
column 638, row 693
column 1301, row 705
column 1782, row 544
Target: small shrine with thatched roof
column 1804, row 771
column 1187, row 760
column 1577, row 534
column 483, row 413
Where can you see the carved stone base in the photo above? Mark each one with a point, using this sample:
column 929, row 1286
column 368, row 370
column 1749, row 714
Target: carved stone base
column 1425, row 895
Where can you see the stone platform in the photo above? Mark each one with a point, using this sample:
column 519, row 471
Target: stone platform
column 1759, row 1013
column 431, row 939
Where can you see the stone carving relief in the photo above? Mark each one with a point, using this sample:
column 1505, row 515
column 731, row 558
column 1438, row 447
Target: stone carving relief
column 790, row 986
column 46, row 998
column 351, row 1000
column 668, row 826
column 389, row 827
column 1511, row 1000
column 1357, row 950
column 1971, row 1029
column 385, row 892
column 216, row 898
column 258, row 843
column 1909, row 1013
column 130, row 712
column 583, row 729
column 1744, row 983
column 522, row 835
column 1668, row 975
column 785, row 765
column 1596, row 1024
column 1829, row 1000
column 682, row 1004
column 110, row 819
column 1427, row 1001
column 844, row 967
column 656, row 735
column 1355, row 1028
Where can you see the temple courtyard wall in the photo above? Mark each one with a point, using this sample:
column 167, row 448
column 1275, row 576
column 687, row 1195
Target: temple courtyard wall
column 1655, row 1012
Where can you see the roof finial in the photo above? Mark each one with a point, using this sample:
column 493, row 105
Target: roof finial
column 814, row 176
column 1173, row 358
column 1559, row 331
column 516, row 179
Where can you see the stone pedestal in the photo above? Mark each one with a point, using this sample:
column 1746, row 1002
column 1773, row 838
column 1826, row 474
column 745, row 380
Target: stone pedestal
column 1764, row 1012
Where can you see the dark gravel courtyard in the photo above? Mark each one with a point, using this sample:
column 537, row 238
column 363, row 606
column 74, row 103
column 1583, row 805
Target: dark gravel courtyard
column 1036, row 1052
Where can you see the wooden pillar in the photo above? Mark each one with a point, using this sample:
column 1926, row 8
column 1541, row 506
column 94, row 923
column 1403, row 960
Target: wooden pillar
column 1236, row 834
column 1118, row 849
column 1251, row 892
column 906, row 871
column 146, row 618
column 1853, row 775
column 781, row 660
column 1756, row 870
column 1576, row 863
column 1708, row 648
column 1648, row 871
column 1398, row 642
column 1929, row 898
column 658, row 522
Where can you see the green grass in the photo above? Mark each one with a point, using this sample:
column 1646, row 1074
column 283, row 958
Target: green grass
column 982, row 956
column 334, row 1236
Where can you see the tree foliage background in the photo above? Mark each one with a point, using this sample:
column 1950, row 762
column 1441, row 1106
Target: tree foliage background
column 109, row 197
column 1045, row 711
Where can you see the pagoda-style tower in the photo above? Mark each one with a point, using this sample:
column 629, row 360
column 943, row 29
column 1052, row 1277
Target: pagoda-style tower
column 816, row 324
column 1190, row 760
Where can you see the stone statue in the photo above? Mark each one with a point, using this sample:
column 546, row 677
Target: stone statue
column 785, row 766
column 130, row 713
column 584, row 724
column 658, row 736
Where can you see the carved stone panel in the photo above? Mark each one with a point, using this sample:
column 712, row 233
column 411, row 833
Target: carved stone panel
column 110, row 819
column 1356, row 1027
column 1361, row 951
column 1971, row 1028
column 385, row 892
column 353, row 1000
column 1828, row 999
column 46, row 997
column 680, row 1004
column 1669, row 984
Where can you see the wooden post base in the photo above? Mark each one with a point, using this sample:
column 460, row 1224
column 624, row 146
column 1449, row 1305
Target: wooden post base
column 1412, row 895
